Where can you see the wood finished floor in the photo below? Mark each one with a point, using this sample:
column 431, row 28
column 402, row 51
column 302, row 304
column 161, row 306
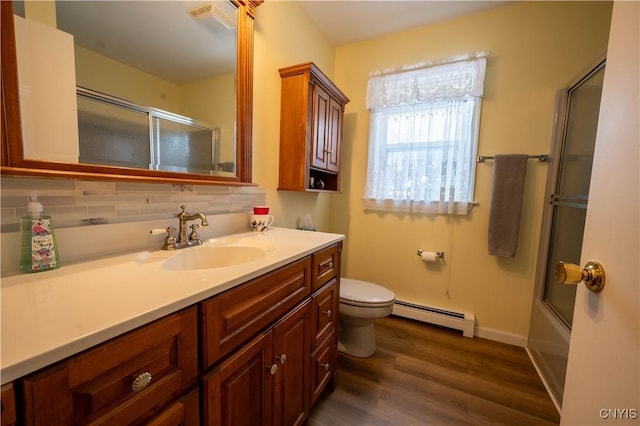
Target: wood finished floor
column 426, row 375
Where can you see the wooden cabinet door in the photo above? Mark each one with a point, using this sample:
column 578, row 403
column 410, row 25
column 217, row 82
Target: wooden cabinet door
column 320, row 133
column 8, row 407
column 238, row 392
column 292, row 354
column 334, row 136
column 326, row 131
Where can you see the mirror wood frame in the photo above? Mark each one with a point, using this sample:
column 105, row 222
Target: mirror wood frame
column 12, row 161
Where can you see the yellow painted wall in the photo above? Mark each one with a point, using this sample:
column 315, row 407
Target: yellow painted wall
column 535, row 49
column 43, row 11
column 284, row 35
column 210, row 100
column 100, row 73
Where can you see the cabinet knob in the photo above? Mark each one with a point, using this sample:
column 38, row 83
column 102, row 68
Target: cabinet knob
column 327, row 313
column 141, row 382
column 330, row 265
column 273, row 369
column 326, row 366
column 282, row 358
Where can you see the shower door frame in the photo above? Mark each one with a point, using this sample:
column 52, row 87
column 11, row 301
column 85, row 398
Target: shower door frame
column 544, row 320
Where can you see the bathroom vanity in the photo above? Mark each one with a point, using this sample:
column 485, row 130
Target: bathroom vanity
column 128, row 340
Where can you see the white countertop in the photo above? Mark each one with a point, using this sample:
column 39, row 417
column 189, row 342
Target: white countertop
column 48, row 316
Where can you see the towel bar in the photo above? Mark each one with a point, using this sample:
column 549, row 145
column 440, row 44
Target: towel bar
column 540, row 157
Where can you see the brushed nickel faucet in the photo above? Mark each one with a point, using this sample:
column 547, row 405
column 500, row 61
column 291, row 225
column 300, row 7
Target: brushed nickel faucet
column 184, row 240
column 194, row 238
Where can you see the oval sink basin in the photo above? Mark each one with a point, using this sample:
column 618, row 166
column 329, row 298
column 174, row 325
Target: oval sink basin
column 213, row 257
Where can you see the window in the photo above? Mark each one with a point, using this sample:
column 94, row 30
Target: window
column 423, row 136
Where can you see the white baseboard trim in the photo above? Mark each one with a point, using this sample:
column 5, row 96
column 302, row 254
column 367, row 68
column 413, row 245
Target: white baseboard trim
column 502, row 336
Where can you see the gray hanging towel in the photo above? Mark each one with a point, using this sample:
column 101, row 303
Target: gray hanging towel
column 509, row 172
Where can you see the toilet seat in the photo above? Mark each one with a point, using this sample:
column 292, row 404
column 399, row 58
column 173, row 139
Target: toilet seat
column 364, row 294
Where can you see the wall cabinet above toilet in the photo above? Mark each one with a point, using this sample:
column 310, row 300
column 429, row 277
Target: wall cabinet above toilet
column 311, row 116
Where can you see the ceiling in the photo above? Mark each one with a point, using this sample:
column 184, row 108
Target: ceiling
column 348, row 21
column 129, row 31
column 159, row 37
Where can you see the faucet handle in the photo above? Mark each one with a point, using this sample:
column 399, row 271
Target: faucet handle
column 169, row 240
column 156, row 231
column 194, row 237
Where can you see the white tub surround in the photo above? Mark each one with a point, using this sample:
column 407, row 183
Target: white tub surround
column 51, row 315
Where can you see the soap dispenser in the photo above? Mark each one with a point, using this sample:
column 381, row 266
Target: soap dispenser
column 39, row 251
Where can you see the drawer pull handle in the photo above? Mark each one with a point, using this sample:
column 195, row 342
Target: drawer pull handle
column 282, row 358
column 141, row 382
column 326, row 366
column 273, row 369
column 327, row 313
column 330, row 265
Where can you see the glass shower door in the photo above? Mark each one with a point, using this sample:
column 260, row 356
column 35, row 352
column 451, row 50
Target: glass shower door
column 563, row 227
column 569, row 202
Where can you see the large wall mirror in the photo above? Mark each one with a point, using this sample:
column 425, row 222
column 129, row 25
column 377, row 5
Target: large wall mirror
column 153, row 90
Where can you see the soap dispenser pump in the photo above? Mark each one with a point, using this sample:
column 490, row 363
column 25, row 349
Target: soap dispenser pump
column 39, row 251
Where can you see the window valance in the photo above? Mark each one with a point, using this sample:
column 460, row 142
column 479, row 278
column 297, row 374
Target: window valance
column 455, row 77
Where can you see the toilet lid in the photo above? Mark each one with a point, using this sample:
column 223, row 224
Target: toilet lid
column 363, row 293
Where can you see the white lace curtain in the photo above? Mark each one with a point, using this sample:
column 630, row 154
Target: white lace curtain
column 423, row 136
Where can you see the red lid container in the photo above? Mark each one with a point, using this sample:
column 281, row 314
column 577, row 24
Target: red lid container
column 260, row 210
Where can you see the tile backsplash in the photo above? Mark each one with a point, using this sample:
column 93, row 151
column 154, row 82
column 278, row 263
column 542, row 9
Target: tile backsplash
column 96, row 219
column 74, row 203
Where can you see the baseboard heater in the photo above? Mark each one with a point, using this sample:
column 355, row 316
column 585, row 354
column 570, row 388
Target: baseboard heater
column 456, row 320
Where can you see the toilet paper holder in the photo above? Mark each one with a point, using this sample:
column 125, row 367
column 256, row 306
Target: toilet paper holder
column 439, row 254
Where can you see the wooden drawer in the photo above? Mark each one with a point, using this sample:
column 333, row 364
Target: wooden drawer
column 231, row 318
column 96, row 386
column 183, row 412
column 323, row 366
column 324, row 316
column 8, row 407
column 326, row 265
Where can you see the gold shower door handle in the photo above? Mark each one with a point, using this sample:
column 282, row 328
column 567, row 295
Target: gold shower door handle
column 592, row 275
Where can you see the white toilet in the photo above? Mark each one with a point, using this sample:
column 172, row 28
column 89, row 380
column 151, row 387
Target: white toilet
column 361, row 303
